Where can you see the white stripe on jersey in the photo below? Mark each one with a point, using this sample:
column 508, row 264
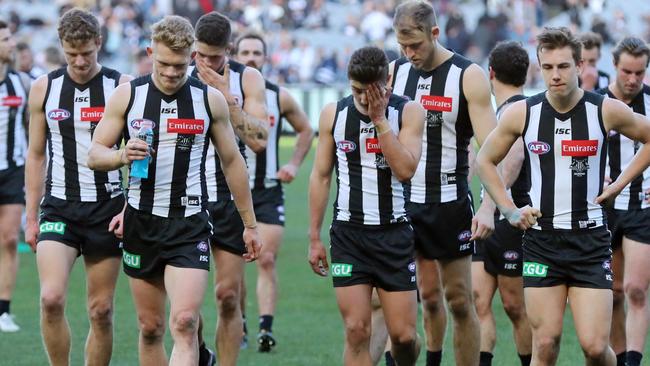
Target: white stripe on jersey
column 343, row 202
column 136, row 112
column 20, row 140
column 271, row 151
column 58, row 164
column 535, row 170
column 594, row 174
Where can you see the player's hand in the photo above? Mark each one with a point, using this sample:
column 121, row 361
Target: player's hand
column 213, row 78
column 377, row 95
column 589, row 77
column 606, row 181
column 116, row 226
column 482, row 224
column 287, row 173
column 318, row 258
column 609, row 193
column 253, row 244
column 32, row 229
column 135, row 149
column 523, row 218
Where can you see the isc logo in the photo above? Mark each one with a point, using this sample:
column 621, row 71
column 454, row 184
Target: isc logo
column 423, row 86
column 562, row 131
column 539, row 147
column 58, row 114
column 168, row 110
column 81, row 99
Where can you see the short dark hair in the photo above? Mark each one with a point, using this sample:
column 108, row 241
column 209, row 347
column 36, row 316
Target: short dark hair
column 77, row 25
column 213, row 29
column 553, row 38
column 250, row 35
column 21, row 46
column 590, row 40
column 3, row 24
column 509, row 61
column 633, row 46
column 368, row 65
column 415, row 14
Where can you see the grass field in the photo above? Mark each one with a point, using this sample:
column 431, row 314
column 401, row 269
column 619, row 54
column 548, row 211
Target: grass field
column 307, row 324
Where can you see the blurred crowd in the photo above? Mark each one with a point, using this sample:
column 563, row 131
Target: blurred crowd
column 310, row 41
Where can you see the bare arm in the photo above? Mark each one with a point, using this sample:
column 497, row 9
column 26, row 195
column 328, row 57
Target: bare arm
column 319, row 187
column 617, row 116
column 511, row 164
column 234, row 169
column 35, row 163
column 250, row 123
column 300, row 123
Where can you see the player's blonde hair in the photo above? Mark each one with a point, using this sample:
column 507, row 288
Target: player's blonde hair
column 174, row 32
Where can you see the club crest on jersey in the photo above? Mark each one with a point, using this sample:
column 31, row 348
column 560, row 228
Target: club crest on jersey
column 579, row 148
column 539, row 147
column 58, row 114
column 579, row 166
column 372, row 146
column 436, row 103
column 137, row 123
column 346, row 146
column 12, row 101
column 91, row 114
column 381, row 162
column 434, row 119
column 185, row 126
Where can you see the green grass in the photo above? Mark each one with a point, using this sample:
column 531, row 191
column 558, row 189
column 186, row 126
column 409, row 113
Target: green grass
column 307, row 324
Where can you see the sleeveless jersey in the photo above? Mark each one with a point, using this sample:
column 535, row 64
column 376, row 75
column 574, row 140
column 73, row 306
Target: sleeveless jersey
column 521, row 185
column 13, row 107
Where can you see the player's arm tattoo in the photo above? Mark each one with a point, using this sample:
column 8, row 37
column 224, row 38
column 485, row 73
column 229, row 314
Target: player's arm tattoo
column 246, row 126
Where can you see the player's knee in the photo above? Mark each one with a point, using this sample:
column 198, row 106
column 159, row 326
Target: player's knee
column 152, row 329
column 357, row 332
column 483, row 306
column 405, row 338
column 267, row 261
column 618, row 294
column 459, row 304
column 52, row 303
column 9, row 241
column 228, row 300
column 185, row 322
column 636, row 294
column 548, row 346
column 101, row 313
column 514, row 309
column 595, row 350
column 432, row 300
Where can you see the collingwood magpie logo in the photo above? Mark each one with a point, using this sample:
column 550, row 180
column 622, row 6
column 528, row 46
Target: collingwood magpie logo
column 579, row 167
column 434, row 119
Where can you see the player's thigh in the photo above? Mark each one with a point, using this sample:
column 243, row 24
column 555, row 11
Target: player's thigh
column 54, row 261
column 545, row 309
column 456, row 276
column 185, row 287
column 400, row 311
column 101, row 276
column 511, row 290
column 229, row 273
column 354, row 304
column 484, row 286
column 592, row 314
column 428, row 277
column 149, row 298
column 637, row 263
column 10, row 217
column 271, row 237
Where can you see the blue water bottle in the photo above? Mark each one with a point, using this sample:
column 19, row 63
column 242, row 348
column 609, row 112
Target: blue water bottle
column 140, row 168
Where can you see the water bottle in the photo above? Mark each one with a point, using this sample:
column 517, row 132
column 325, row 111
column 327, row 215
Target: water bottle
column 140, row 168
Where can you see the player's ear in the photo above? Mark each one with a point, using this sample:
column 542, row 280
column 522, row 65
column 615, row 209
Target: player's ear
column 193, row 54
column 149, row 51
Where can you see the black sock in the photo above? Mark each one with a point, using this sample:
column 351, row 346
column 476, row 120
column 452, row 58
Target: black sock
column 389, row 359
column 621, row 358
column 243, row 319
column 266, row 322
column 434, row 358
column 485, row 359
column 634, row 358
column 525, row 359
column 4, row 306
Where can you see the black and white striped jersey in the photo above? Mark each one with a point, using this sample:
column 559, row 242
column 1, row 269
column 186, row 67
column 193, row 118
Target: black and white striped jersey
column 217, row 187
column 441, row 175
column 367, row 191
column 263, row 167
column 622, row 150
column 176, row 186
column 566, row 155
column 72, row 112
column 13, row 107
column 521, row 185
column 603, row 80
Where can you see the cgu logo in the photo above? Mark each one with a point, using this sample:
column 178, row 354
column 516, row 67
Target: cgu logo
column 539, row 147
column 346, row 146
column 137, row 123
column 532, row 269
column 341, row 270
column 168, row 110
column 58, row 114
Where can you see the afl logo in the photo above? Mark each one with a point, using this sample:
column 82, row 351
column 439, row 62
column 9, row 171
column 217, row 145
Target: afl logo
column 510, row 255
column 202, row 246
column 137, row 123
column 346, row 146
column 58, row 114
column 464, row 236
column 539, row 147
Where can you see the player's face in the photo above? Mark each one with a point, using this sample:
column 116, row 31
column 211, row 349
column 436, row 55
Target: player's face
column 559, row 71
column 630, row 72
column 250, row 52
column 359, row 94
column 418, row 47
column 144, row 66
column 590, row 57
column 215, row 57
column 24, row 60
column 81, row 57
column 7, row 45
column 169, row 66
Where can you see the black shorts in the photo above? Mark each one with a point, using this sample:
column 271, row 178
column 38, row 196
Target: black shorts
column 269, row 205
column 442, row 230
column 632, row 224
column 227, row 227
column 501, row 252
column 81, row 225
column 152, row 242
column 381, row 256
column 12, row 186
column 571, row 258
